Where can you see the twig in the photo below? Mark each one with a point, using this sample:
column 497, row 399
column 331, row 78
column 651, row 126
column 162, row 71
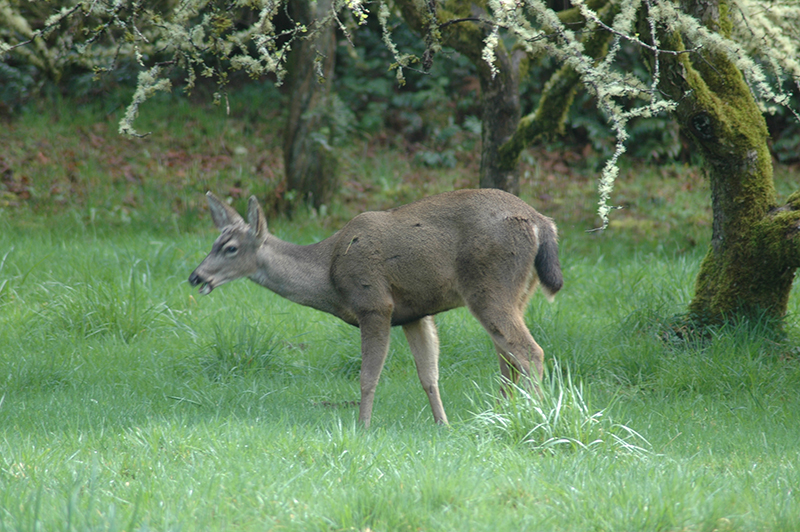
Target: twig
column 38, row 33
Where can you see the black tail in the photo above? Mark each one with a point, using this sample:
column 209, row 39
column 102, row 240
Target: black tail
column 547, row 265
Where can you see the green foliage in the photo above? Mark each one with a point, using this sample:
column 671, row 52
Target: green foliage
column 16, row 84
column 433, row 113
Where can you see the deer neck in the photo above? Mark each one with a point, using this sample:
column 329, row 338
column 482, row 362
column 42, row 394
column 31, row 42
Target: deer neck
column 298, row 273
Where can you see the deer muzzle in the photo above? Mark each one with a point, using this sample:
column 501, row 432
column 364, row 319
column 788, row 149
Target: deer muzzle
column 206, row 285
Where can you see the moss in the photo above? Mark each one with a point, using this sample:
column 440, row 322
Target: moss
column 725, row 20
column 548, row 118
column 749, row 267
column 466, row 37
column 754, row 274
column 573, row 16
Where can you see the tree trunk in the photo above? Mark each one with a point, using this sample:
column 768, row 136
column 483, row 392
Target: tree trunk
column 500, row 104
column 755, row 246
column 500, row 114
column 503, row 134
column 559, row 92
column 309, row 159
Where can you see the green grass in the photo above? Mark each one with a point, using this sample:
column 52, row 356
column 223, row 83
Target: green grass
column 128, row 402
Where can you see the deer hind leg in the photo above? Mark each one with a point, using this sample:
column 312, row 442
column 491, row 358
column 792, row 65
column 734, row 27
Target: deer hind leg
column 375, row 333
column 424, row 343
column 508, row 374
column 517, row 351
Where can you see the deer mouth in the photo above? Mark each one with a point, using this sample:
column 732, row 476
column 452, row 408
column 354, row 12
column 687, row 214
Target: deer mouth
column 205, row 286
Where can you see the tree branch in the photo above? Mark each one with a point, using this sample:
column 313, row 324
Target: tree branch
column 51, row 23
column 558, row 94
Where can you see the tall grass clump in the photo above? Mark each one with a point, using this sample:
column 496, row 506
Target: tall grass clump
column 89, row 309
column 753, row 357
column 240, row 349
column 559, row 415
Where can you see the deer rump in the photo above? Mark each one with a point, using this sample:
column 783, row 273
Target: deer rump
column 484, row 249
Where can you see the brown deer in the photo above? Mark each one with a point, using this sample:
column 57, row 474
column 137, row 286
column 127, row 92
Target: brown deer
column 485, row 249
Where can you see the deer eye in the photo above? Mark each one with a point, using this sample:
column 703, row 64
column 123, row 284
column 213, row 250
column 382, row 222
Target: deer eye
column 231, row 250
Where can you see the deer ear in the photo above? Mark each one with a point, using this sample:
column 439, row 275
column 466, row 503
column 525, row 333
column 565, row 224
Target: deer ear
column 222, row 213
column 256, row 218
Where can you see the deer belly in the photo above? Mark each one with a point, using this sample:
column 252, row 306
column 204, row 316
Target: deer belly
column 410, row 307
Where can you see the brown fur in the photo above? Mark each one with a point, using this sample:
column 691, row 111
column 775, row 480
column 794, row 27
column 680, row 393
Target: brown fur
column 485, row 249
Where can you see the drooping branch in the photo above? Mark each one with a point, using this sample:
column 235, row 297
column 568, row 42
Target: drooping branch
column 612, row 88
column 13, row 19
column 559, row 92
column 473, row 29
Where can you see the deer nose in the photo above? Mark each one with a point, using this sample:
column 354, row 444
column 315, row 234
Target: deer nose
column 195, row 279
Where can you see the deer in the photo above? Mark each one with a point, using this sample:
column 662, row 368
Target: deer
column 484, row 249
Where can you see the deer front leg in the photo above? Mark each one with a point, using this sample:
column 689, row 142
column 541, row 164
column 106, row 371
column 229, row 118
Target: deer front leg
column 424, row 344
column 375, row 331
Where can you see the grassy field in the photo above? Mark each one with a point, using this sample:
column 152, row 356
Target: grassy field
column 128, row 402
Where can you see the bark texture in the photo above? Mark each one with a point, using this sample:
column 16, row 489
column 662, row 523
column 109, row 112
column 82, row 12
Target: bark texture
column 309, row 159
column 755, row 246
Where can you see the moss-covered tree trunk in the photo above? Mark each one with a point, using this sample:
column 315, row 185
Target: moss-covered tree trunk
column 755, row 244
column 309, row 160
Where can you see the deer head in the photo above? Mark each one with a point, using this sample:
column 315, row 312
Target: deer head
column 234, row 253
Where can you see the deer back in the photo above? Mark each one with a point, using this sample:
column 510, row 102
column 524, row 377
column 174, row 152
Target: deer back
column 427, row 256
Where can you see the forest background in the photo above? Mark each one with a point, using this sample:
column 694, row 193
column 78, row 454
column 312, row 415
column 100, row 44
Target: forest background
column 127, row 402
